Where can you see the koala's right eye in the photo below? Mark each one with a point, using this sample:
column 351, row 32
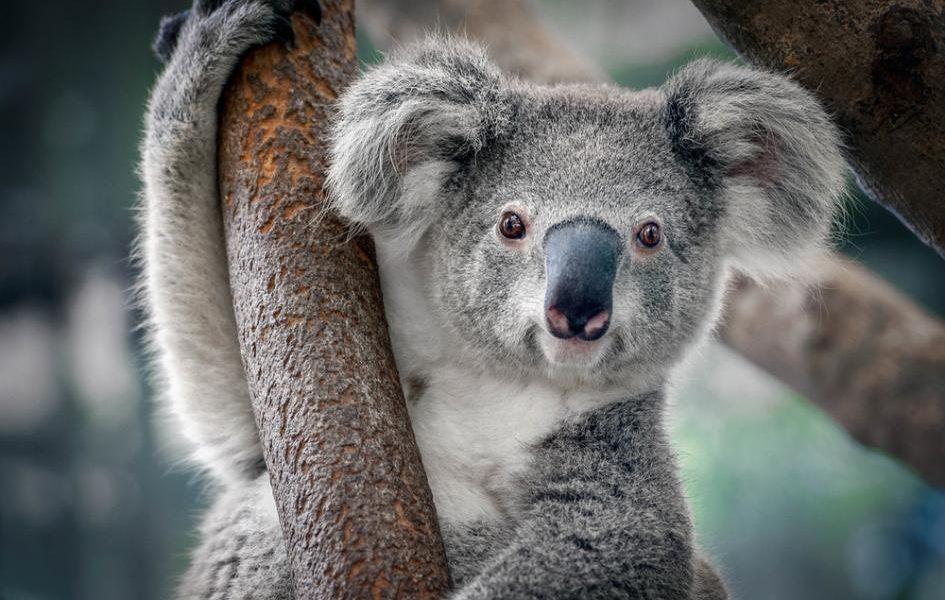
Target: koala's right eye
column 511, row 226
column 649, row 235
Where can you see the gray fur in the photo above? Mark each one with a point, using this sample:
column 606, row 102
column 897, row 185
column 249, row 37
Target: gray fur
column 430, row 111
column 184, row 283
column 241, row 554
column 602, row 515
column 551, row 470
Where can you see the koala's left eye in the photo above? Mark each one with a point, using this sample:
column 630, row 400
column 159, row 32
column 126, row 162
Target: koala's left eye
column 650, row 235
column 511, row 226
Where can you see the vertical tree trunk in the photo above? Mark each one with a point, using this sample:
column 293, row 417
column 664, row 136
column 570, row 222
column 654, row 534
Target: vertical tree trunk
column 352, row 495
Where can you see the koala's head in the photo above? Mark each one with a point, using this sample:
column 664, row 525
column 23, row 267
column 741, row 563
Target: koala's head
column 576, row 229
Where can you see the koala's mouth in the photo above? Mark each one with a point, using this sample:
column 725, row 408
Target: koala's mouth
column 573, row 351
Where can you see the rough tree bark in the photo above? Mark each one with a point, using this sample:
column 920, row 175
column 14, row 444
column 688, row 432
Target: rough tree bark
column 353, row 499
column 867, row 355
column 879, row 65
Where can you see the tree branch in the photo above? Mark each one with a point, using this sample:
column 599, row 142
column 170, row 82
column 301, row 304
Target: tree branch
column 867, row 355
column 517, row 38
column 859, row 349
column 879, row 66
column 353, row 499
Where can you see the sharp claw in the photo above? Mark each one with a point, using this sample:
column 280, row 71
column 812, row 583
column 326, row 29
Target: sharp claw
column 312, row 8
column 284, row 30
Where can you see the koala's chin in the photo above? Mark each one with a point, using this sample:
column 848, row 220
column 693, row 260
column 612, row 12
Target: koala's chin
column 573, row 353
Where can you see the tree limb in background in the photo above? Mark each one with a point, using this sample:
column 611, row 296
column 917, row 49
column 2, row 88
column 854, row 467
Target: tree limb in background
column 879, row 66
column 862, row 351
column 517, row 38
column 353, row 499
column 867, row 355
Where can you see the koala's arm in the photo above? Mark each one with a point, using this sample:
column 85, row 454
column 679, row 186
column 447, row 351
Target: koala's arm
column 185, row 284
column 604, row 517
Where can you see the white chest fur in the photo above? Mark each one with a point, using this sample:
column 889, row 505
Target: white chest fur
column 475, row 434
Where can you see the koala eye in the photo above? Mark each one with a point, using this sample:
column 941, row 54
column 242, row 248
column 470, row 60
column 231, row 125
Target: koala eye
column 650, row 235
column 511, row 226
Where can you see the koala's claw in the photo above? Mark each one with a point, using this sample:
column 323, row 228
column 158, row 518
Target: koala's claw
column 312, row 8
column 207, row 7
column 283, row 30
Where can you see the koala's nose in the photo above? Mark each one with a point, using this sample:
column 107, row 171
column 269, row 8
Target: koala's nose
column 580, row 264
column 587, row 324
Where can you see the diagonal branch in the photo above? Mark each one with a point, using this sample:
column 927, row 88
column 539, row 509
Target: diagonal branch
column 864, row 353
column 859, row 349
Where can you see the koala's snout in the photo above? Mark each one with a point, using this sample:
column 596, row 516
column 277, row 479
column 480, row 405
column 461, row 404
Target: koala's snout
column 580, row 264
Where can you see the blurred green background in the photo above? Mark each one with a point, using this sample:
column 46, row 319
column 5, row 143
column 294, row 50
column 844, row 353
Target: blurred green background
column 91, row 504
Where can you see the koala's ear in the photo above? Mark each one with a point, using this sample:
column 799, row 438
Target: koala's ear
column 405, row 127
column 770, row 152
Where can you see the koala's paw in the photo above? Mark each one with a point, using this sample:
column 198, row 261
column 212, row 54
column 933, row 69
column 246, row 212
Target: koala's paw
column 231, row 27
column 227, row 28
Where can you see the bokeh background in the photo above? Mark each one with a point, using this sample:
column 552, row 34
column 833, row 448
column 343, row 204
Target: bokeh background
column 90, row 505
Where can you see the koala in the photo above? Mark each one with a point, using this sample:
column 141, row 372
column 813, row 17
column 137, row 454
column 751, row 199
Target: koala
column 548, row 255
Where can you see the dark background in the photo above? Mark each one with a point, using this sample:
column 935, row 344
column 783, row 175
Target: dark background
column 91, row 502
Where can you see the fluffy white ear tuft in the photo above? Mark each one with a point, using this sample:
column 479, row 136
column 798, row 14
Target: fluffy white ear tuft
column 405, row 127
column 770, row 152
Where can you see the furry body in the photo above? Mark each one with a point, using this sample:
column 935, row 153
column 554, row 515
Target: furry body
column 547, row 457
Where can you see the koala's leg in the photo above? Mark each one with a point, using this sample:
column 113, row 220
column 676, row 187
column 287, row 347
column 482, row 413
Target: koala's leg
column 241, row 554
column 603, row 516
column 185, row 283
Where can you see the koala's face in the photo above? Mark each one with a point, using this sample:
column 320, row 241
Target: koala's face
column 582, row 231
column 568, row 244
